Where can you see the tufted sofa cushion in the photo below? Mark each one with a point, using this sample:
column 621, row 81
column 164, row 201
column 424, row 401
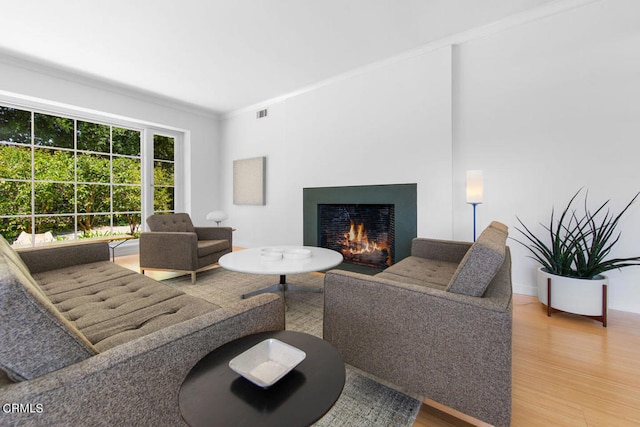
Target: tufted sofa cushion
column 421, row 271
column 145, row 320
column 76, row 277
column 481, row 262
column 36, row 339
column 111, row 305
column 178, row 222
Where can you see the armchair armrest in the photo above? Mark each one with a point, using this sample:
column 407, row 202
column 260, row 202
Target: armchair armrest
column 452, row 348
column 138, row 383
column 48, row 258
column 441, row 250
column 169, row 250
column 215, row 233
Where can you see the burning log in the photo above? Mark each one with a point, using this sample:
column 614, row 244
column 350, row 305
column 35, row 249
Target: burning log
column 357, row 247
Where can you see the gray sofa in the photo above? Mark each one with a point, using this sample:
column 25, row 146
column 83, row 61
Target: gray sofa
column 87, row 342
column 437, row 323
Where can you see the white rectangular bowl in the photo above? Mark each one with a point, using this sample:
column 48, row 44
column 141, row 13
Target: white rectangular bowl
column 267, row 362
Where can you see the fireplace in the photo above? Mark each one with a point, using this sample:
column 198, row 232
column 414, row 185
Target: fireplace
column 363, row 233
column 385, row 214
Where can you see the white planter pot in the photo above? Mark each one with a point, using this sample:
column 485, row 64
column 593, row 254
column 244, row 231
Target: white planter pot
column 578, row 296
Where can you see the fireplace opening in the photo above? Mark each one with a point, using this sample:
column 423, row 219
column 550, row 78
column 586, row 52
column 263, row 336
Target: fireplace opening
column 363, row 233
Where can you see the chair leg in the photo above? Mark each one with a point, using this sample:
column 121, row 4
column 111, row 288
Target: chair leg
column 193, row 277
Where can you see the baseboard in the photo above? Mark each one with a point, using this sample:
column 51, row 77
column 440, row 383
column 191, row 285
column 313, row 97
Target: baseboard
column 522, row 289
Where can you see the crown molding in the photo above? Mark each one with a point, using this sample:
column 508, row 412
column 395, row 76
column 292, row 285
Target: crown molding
column 15, row 59
column 541, row 12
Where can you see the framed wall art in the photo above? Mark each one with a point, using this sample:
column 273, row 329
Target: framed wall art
column 249, row 181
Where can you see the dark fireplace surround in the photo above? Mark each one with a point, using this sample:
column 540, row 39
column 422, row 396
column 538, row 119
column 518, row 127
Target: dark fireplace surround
column 384, row 214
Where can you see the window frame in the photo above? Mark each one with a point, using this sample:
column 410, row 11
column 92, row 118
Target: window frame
column 146, row 129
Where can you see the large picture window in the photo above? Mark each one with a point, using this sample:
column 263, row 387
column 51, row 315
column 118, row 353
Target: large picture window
column 63, row 178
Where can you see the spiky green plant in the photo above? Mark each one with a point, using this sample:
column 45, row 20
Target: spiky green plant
column 579, row 243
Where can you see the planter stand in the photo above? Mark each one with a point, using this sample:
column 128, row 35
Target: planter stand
column 602, row 318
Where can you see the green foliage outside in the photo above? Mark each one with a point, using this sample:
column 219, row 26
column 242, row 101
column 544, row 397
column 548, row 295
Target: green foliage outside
column 93, row 184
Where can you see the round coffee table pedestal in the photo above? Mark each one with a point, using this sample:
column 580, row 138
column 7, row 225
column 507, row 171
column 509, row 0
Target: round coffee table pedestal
column 283, row 287
column 212, row 394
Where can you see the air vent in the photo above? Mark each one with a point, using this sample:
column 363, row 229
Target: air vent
column 261, row 114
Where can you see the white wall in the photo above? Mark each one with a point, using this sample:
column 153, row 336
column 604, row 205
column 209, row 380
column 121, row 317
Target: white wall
column 202, row 142
column 387, row 126
column 543, row 109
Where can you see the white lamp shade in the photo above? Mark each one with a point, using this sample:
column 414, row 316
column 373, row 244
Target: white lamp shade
column 217, row 216
column 474, row 186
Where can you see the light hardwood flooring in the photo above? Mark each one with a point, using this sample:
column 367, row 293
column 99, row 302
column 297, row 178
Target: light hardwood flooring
column 567, row 370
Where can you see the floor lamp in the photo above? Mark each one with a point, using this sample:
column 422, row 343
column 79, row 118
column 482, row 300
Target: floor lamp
column 474, row 193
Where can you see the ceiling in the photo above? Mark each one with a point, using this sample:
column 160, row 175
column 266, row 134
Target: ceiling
column 223, row 55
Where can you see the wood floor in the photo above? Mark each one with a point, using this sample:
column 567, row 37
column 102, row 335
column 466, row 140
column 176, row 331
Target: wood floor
column 567, row 370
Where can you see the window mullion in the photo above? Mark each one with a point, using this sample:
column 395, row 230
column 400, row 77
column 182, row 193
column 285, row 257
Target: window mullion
column 75, row 179
column 33, row 179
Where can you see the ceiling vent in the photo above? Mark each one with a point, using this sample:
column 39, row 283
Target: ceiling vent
column 261, row 114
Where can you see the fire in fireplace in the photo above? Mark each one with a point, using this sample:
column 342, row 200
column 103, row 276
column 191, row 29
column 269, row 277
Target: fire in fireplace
column 364, row 234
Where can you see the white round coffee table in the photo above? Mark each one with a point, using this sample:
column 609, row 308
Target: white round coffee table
column 294, row 260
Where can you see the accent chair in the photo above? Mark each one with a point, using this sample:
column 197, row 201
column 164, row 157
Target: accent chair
column 175, row 244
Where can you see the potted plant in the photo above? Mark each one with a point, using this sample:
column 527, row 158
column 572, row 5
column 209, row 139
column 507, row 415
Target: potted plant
column 575, row 257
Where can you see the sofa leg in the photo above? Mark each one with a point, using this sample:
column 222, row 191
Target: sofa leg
column 193, row 277
column 142, row 271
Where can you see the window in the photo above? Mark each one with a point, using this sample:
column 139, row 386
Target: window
column 163, row 174
column 64, row 178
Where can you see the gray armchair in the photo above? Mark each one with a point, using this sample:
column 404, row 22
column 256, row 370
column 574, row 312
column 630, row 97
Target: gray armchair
column 174, row 244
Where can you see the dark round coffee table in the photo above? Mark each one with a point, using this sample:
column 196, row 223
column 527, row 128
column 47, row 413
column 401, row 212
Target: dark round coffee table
column 212, row 394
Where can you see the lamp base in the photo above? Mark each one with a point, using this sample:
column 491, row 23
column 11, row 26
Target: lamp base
column 474, row 219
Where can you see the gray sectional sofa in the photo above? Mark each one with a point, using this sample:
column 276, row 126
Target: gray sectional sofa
column 437, row 323
column 87, row 342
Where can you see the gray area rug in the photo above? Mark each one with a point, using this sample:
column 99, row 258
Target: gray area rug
column 364, row 401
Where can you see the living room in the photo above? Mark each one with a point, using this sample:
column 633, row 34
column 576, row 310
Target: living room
column 542, row 101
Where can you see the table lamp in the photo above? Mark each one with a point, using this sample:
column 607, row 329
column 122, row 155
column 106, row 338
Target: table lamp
column 217, row 217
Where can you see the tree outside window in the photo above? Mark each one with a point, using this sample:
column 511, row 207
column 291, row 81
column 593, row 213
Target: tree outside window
column 70, row 177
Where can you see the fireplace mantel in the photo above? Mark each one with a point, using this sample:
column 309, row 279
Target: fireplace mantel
column 402, row 196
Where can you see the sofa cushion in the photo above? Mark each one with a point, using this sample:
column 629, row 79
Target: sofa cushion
column 178, row 222
column 80, row 276
column 88, row 306
column 421, row 271
column 111, row 309
column 208, row 247
column 113, row 332
column 36, row 339
column 481, row 263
